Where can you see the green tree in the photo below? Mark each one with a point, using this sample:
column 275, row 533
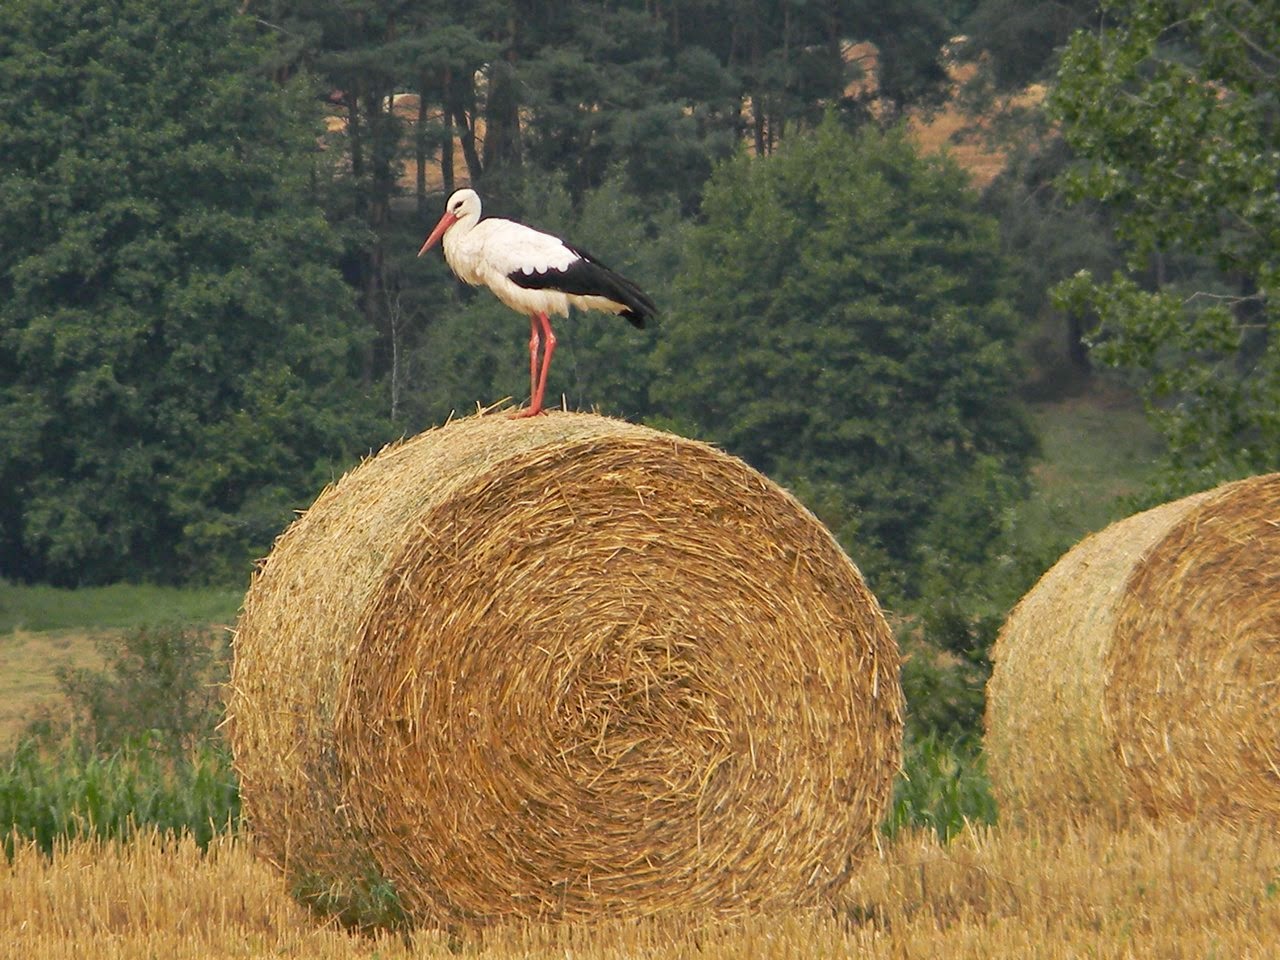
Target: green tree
column 839, row 322
column 174, row 341
column 1172, row 112
column 1046, row 240
column 1019, row 39
column 607, row 90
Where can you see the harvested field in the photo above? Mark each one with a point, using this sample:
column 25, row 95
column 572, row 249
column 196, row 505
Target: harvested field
column 1169, row 890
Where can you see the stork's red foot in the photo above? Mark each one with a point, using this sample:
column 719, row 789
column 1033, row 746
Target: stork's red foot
column 526, row 412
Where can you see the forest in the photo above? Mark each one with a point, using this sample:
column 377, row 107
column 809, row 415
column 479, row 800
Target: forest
column 211, row 304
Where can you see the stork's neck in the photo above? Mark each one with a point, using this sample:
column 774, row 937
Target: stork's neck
column 459, row 250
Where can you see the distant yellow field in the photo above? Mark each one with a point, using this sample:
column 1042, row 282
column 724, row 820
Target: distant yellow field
column 1173, row 891
column 29, row 678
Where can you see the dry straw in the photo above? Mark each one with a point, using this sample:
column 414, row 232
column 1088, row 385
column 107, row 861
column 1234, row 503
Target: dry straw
column 563, row 668
column 1141, row 675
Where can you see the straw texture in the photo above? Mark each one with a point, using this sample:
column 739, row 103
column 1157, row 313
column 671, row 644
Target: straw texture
column 1141, row 675
column 563, row 668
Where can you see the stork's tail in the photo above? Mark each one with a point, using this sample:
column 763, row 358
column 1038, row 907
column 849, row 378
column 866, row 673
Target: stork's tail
column 597, row 279
column 640, row 307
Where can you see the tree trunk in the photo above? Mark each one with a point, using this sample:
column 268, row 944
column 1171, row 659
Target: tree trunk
column 461, row 95
column 1077, row 349
column 420, row 151
column 446, row 142
column 502, row 120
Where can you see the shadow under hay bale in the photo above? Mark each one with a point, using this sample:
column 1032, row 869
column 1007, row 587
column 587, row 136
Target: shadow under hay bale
column 563, row 668
column 1141, row 675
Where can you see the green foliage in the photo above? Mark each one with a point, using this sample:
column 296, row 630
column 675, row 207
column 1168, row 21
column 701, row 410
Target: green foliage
column 840, row 323
column 1171, row 109
column 605, row 92
column 944, row 689
column 1018, row 39
column 1046, row 240
column 157, row 682
column 975, row 564
column 943, row 787
column 175, row 347
column 52, row 795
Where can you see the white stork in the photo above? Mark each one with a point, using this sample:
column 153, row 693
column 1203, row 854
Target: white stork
column 534, row 273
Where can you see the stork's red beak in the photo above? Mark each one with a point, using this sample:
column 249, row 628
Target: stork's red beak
column 447, row 221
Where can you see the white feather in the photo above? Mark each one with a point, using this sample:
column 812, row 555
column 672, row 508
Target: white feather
column 486, row 252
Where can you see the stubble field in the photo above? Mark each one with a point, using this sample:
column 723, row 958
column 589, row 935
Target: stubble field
column 1169, row 891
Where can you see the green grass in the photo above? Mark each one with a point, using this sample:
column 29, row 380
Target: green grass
column 120, row 606
column 1098, row 454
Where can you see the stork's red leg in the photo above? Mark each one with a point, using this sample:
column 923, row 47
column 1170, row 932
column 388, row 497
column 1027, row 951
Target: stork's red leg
column 534, row 343
column 548, row 348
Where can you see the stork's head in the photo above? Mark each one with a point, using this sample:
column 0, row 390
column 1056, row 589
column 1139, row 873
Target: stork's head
column 463, row 205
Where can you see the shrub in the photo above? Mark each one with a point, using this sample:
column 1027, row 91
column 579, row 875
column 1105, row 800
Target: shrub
column 162, row 683
column 134, row 745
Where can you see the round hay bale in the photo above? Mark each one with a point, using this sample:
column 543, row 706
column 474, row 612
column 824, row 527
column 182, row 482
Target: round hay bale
column 562, row 668
column 1141, row 675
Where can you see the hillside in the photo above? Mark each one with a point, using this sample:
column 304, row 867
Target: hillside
column 952, row 127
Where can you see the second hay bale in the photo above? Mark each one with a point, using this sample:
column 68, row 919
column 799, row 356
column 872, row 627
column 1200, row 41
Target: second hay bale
column 1141, row 675
column 564, row 668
